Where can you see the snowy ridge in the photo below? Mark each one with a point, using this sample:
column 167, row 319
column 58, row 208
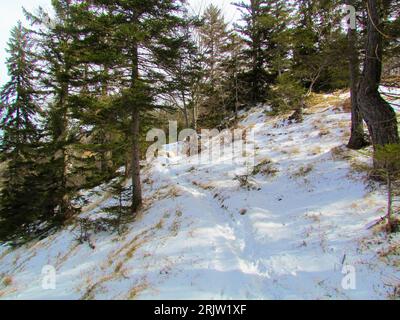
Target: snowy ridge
column 286, row 234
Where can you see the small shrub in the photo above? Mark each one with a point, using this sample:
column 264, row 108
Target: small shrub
column 160, row 225
column 287, row 95
column 246, row 183
column 7, row 281
column 179, row 213
column 324, row 132
column 387, row 164
column 203, row 186
column 118, row 267
column 266, row 168
column 341, row 153
column 303, row 171
column 316, row 151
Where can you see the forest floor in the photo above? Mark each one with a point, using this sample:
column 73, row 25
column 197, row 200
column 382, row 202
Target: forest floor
column 289, row 229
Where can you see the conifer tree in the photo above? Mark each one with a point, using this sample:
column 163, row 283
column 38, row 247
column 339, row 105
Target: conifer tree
column 18, row 96
column 20, row 201
column 318, row 44
column 185, row 74
column 100, row 144
column 252, row 34
column 234, row 66
column 144, row 35
column 57, row 59
column 214, row 36
column 264, row 29
column 214, row 39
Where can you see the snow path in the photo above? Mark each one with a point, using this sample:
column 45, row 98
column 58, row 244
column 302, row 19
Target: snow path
column 203, row 236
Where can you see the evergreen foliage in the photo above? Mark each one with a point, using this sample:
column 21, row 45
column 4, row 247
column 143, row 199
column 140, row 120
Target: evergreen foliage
column 90, row 79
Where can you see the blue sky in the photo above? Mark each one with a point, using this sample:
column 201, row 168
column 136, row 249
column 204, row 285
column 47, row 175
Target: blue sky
column 12, row 12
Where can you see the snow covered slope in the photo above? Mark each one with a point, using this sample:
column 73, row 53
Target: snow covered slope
column 287, row 234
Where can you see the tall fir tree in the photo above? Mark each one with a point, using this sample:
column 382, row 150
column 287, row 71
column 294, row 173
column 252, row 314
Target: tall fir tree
column 264, row 28
column 144, row 35
column 55, row 37
column 318, row 44
column 20, row 200
column 18, row 96
column 185, row 74
column 233, row 82
column 252, row 34
column 214, row 39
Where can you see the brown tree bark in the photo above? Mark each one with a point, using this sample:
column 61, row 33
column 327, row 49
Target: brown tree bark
column 357, row 139
column 377, row 113
column 62, row 136
column 137, row 198
column 185, row 109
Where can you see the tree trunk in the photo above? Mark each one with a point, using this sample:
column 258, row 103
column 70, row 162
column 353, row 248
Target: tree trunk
column 185, row 110
column 128, row 161
column 314, row 81
column 137, row 198
column 377, row 113
column 62, row 136
column 298, row 115
column 257, row 56
column 357, row 139
column 194, row 113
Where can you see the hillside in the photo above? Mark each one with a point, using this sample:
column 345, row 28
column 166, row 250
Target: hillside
column 286, row 232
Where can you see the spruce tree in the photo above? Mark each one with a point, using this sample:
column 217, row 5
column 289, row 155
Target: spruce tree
column 20, row 201
column 18, row 96
column 252, row 34
column 185, row 74
column 144, row 36
column 214, row 36
column 265, row 31
column 214, row 39
column 100, row 143
column 57, row 57
column 318, row 44
column 233, row 82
